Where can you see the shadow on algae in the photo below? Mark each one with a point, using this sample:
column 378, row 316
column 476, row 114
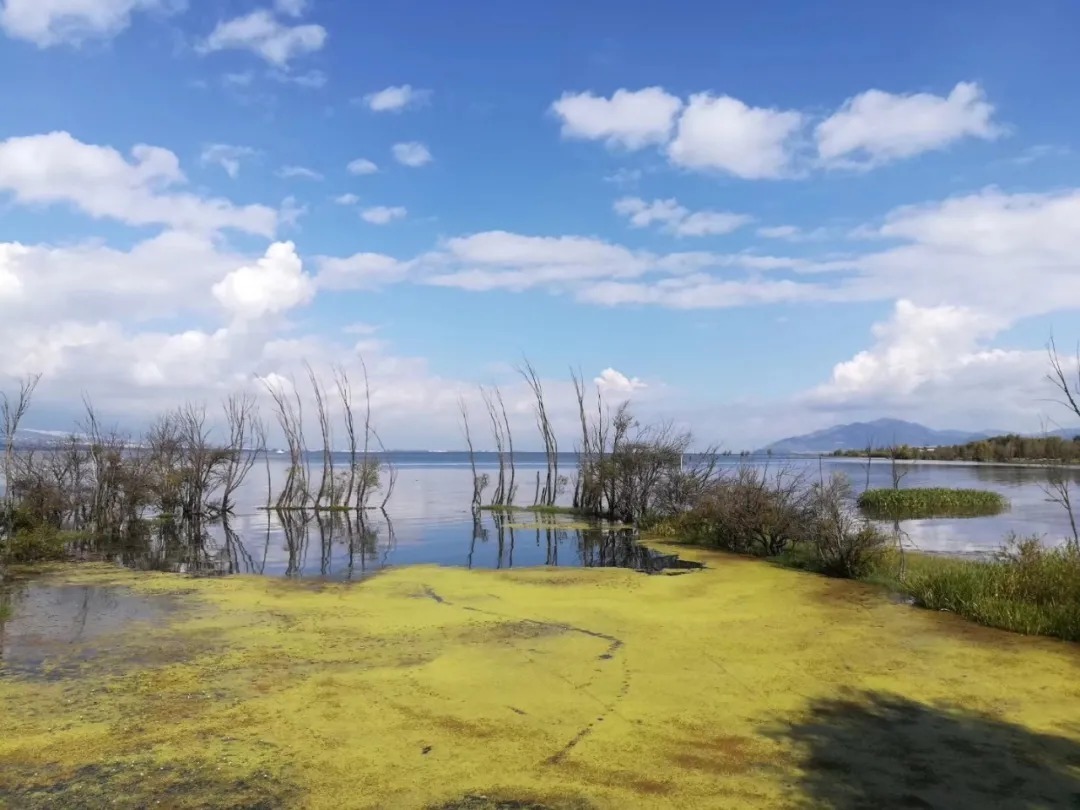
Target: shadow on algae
column 740, row 686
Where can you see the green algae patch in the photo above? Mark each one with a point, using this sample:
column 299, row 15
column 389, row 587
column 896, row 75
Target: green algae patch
column 744, row 685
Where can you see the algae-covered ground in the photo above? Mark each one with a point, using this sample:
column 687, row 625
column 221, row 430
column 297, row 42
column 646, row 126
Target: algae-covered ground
column 739, row 685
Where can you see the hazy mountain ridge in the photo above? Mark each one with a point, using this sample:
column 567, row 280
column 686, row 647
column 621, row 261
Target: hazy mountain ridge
column 886, row 432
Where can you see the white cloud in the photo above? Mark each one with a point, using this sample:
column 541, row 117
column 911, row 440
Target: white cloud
column 275, row 283
column 291, row 8
column 382, row 215
column 722, row 133
column 792, row 233
column 917, row 345
column 240, row 79
column 677, row 219
column 1040, row 152
column 411, row 153
column 71, row 22
column 624, row 177
column 778, row 232
column 611, row 381
column 396, row 99
column 876, row 127
column 629, row 119
column 347, row 199
column 936, row 364
column 362, row 166
column 98, row 180
column 310, row 79
column 262, row 34
column 226, row 156
column 298, row 172
column 360, row 271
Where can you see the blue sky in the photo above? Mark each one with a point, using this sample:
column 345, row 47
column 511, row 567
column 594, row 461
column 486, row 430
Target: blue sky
column 753, row 220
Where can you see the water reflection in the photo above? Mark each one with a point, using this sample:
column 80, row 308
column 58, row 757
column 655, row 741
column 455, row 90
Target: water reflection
column 47, row 624
column 349, row 545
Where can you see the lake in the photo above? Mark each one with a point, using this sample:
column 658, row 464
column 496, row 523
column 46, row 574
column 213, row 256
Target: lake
column 427, row 520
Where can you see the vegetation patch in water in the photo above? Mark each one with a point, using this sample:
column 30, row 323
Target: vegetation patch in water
column 546, row 687
column 909, row 504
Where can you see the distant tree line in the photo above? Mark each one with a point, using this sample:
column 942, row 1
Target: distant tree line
column 1011, row 448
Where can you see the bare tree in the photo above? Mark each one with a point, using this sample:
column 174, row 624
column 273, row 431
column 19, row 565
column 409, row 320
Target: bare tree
column 326, row 482
column 511, row 489
column 294, row 492
column 551, row 447
column 242, row 449
column 369, row 473
column 498, row 496
column 479, row 482
column 344, row 388
column 12, row 412
column 583, row 497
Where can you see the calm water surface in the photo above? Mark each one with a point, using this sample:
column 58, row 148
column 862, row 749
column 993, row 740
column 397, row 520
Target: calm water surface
column 427, row 520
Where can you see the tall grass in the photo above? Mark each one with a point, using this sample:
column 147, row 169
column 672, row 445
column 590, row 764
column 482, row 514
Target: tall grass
column 905, row 504
column 1027, row 588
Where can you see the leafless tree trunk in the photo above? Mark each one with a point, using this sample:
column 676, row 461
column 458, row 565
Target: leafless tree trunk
column 551, row 447
column 511, row 489
column 583, row 486
column 478, row 482
column 326, row 483
column 344, row 389
column 12, row 413
column 498, row 497
column 365, row 481
column 242, row 450
column 294, row 491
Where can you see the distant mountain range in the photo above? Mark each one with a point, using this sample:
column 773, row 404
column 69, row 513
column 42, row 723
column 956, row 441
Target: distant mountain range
column 883, row 433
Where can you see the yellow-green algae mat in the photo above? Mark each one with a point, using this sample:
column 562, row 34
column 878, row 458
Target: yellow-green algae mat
column 741, row 685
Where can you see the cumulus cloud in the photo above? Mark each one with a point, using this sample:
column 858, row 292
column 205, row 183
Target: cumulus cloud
column 261, row 33
column 411, row 153
column 226, row 156
column 718, row 133
column 724, row 134
column 362, row 166
column 396, row 99
column 291, row 8
column 101, row 182
column 275, row 283
column 360, row 271
column 677, row 219
column 937, row 363
column 347, row 199
column 611, row 381
column 876, row 127
column 630, row 119
column 298, row 172
column 71, row 22
column 382, row 215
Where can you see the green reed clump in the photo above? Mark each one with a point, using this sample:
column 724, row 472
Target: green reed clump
column 905, row 504
column 1027, row 588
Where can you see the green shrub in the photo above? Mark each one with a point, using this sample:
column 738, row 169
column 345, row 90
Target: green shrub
column 904, row 504
column 1028, row 588
column 748, row 512
column 39, row 544
column 844, row 544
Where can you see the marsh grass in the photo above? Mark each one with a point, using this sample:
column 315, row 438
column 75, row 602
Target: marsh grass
column 1027, row 588
column 908, row 504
